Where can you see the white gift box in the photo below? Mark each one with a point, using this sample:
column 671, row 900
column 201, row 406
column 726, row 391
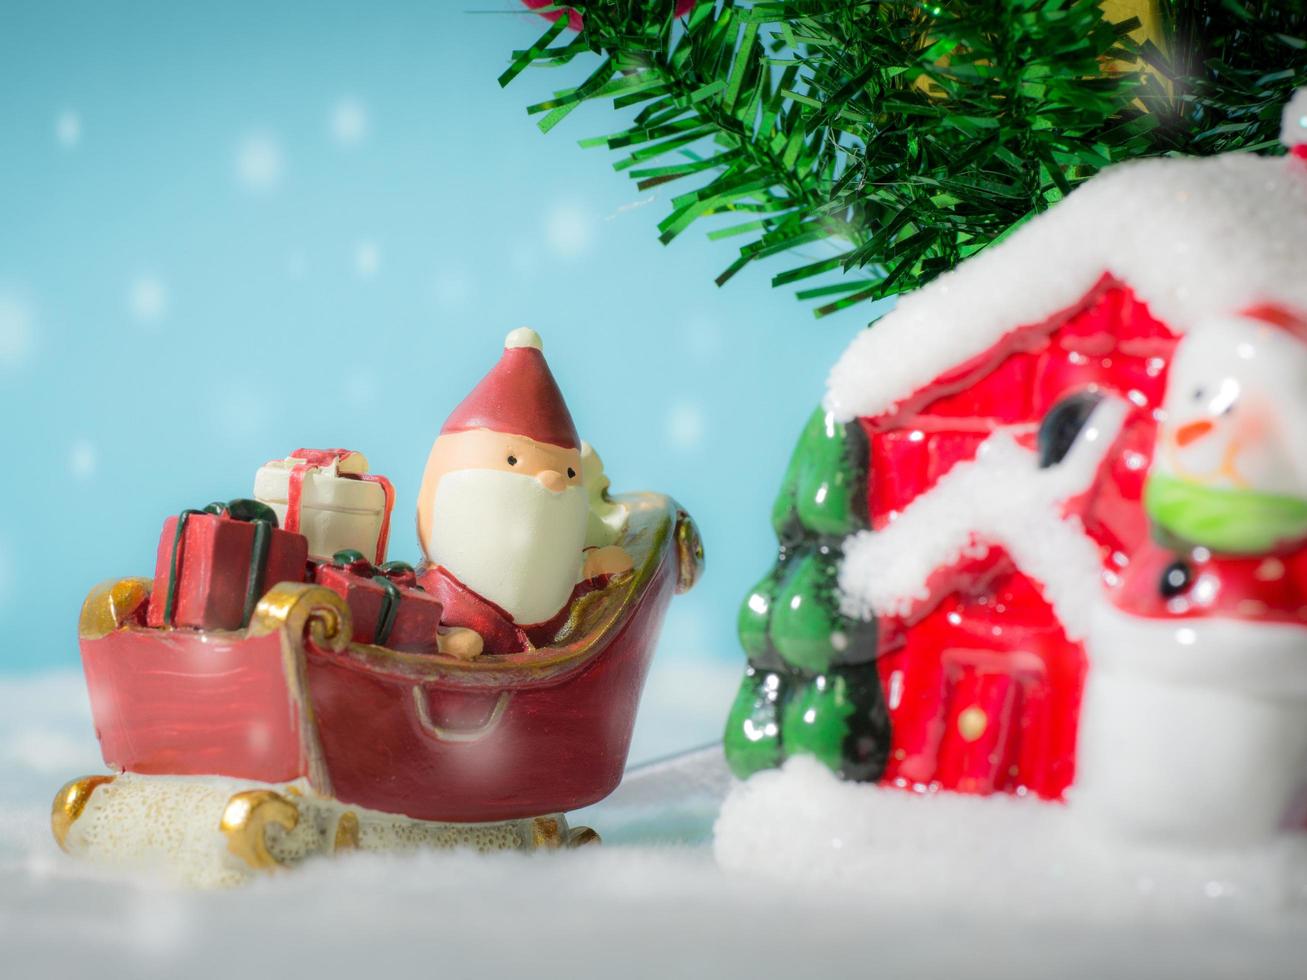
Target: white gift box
column 328, row 496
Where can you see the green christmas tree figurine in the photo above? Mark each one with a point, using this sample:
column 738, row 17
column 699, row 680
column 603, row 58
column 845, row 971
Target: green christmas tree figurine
column 811, row 686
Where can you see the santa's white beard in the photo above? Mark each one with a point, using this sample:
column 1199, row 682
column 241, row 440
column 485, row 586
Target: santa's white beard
column 510, row 540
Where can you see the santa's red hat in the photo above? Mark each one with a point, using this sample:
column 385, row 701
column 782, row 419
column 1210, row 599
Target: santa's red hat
column 519, row 397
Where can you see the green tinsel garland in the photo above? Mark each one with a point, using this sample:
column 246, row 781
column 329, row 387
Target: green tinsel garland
column 912, row 134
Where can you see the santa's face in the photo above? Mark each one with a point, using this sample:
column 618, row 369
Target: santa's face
column 507, row 516
column 1229, row 410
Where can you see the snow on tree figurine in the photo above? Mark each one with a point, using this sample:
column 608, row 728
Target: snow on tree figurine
column 807, row 689
column 1111, row 396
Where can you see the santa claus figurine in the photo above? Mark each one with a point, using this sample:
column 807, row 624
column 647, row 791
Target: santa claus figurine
column 1195, row 714
column 503, row 511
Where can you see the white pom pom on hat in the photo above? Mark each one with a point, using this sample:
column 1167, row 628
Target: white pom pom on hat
column 523, row 337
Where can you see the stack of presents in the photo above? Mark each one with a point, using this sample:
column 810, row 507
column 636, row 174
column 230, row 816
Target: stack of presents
column 317, row 516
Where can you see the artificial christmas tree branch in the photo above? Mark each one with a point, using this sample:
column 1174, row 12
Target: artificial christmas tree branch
column 911, row 135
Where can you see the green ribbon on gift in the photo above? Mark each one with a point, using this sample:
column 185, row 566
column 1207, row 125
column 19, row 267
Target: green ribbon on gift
column 264, row 519
column 356, row 562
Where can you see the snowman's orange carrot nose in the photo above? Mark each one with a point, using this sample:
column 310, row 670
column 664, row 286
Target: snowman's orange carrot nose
column 1192, row 431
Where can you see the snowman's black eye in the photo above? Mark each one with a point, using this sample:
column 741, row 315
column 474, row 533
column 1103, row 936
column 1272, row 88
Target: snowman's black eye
column 1175, row 579
column 1200, row 394
column 512, row 460
column 571, row 473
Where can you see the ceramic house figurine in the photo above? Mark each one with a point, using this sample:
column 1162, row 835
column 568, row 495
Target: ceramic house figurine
column 989, row 444
column 355, row 707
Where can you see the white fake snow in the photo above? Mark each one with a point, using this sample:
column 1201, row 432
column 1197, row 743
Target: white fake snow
column 919, row 888
column 1001, row 497
column 1194, row 238
column 999, row 857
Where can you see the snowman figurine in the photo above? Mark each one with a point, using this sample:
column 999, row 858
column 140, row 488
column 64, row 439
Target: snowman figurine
column 1194, row 723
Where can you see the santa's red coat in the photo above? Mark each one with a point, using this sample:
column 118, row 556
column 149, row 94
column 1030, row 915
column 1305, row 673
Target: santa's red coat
column 499, row 632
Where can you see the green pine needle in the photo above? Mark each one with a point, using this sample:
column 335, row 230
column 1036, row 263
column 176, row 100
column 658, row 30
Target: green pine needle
column 914, row 134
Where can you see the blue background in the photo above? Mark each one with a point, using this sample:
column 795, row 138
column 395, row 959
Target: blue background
column 230, row 230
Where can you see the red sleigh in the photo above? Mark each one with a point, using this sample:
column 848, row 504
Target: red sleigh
column 424, row 736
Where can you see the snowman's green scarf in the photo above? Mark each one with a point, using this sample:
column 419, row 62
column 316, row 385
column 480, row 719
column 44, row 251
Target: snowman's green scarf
column 1237, row 521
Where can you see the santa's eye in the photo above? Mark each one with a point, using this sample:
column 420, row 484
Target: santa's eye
column 571, row 473
column 512, row 460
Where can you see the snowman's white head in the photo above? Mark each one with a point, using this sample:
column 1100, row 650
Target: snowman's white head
column 1235, row 415
column 1230, row 466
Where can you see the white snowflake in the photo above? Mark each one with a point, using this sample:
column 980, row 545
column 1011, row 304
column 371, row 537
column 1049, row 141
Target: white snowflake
column 68, row 128
column 685, row 425
column 82, row 459
column 569, row 230
column 349, row 122
column 17, row 330
column 147, row 299
column 259, row 162
column 367, row 259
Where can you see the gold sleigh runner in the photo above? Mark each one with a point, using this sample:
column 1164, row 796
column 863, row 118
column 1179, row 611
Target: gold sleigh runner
column 133, row 821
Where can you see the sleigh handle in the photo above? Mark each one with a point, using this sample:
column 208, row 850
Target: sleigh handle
column 442, row 733
column 308, row 613
column 112, row 605
column 689, row 552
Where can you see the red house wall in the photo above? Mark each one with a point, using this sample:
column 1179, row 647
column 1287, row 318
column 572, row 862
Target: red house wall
column 983, row 683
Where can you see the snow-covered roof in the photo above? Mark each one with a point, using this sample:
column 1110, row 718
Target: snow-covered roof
column 1192, row 237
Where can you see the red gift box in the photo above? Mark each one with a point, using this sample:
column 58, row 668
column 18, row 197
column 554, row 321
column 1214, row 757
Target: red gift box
column 215, row 564
column 386, row 604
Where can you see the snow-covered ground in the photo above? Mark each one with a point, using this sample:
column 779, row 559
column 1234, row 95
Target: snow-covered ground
column 809, row 877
